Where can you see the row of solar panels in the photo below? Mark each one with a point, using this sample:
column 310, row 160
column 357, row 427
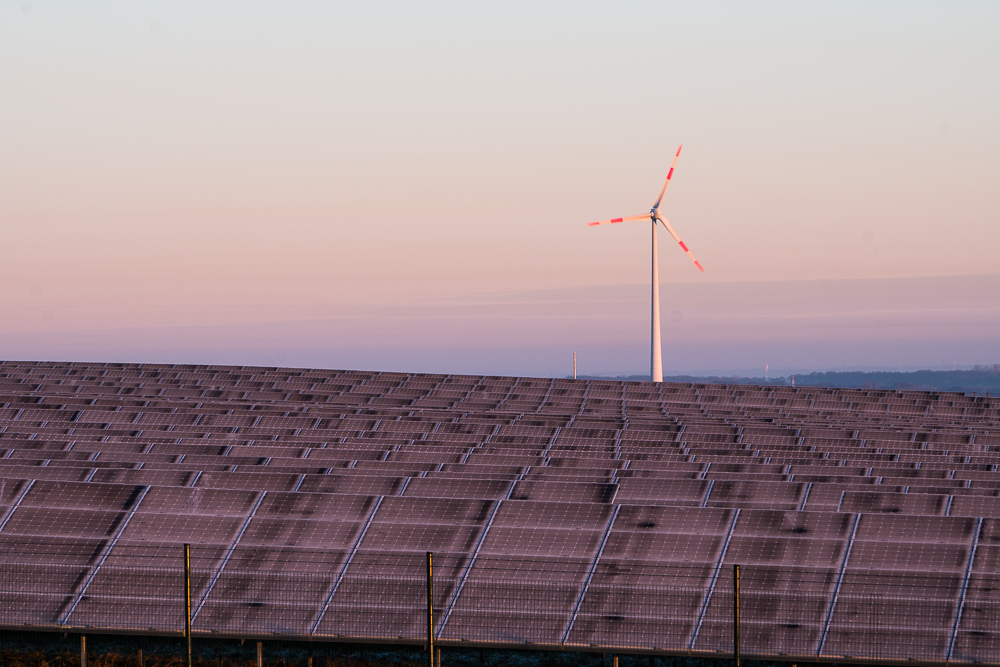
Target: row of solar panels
column 593, row 398
column 654, row 484
column 545, row 541
column 692, row 621
column 783, row 496
column 355, row 421
column 192, row 424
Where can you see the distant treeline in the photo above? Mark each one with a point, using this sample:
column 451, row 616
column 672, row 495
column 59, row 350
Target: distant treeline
column 978, row 379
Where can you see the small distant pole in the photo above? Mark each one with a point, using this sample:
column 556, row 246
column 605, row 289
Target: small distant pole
column 187, row 600
column 793, row 379
column 260, row 654
column 83, row 650
column 430, row 609
column 574, row 365
column 766, row 368
column 140, row 650
column 736, row 613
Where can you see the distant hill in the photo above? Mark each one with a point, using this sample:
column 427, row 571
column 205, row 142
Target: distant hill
column 979, row 379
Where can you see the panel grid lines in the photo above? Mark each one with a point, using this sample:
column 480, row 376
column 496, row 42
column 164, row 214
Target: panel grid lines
column 593, row 512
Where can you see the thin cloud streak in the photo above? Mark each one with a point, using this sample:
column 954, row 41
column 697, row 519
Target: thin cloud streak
column 804, row 325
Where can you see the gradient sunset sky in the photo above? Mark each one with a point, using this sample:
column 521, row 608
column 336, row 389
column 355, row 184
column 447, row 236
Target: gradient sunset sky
column 406, row 186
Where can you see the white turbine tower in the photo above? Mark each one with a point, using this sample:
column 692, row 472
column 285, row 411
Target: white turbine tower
column 655, row 354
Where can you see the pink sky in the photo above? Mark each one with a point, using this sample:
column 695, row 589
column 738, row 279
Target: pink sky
column 186, row 165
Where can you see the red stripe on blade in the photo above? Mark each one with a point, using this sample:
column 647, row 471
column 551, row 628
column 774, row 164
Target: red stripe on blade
column 670, row 173
column 698, row 265
column 683, row 246
column 616, row 220
column 678, row 151
column 591, row 224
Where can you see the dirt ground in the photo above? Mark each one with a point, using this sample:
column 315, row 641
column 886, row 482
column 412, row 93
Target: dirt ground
column 55, row 650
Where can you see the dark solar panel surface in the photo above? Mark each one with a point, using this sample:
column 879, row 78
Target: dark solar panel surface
column 599, row 513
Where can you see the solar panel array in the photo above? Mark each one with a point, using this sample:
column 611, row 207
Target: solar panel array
column 588, row 513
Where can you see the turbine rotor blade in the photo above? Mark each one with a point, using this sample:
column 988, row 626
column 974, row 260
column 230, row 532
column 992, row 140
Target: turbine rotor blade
column 670, row 174
column 690, row 254
column 631, row 218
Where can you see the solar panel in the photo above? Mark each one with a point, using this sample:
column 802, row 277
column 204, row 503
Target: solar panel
column 565, row 513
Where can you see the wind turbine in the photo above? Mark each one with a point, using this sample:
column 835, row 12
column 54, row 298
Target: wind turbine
column 655, row 353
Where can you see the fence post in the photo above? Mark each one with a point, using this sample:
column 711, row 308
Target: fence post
column 140, row 650
column 736, row 614
column 430, row 609
column 309, row 660
column 83, row 650
column 187, row 600
column 260, row 654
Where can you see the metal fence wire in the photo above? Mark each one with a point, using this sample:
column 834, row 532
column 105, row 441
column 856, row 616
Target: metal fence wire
column 859, row 616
